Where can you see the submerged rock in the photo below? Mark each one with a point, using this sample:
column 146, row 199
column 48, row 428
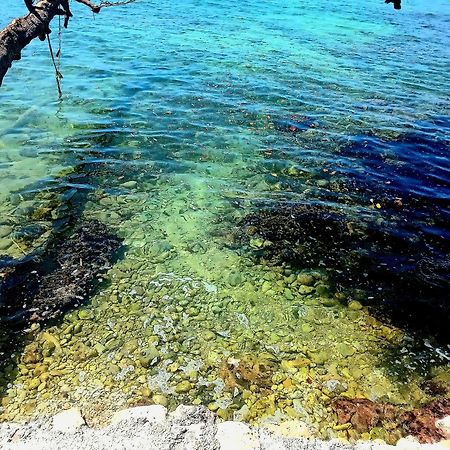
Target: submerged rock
column 129, row 184
column 305, row 279
column 149, row 357
column 183, row 387
column 421, row 422
column 5, row 230
column 354, row 305
column 60, row 277
column 5, row 243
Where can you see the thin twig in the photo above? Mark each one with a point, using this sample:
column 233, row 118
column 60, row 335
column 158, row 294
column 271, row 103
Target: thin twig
column 105, row 4
column 58, row 75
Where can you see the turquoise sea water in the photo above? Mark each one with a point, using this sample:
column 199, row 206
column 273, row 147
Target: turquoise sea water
column 177, row 121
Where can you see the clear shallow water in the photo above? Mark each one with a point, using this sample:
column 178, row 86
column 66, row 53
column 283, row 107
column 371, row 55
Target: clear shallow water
column 172, row 131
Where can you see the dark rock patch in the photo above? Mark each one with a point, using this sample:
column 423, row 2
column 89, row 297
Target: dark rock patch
column 42, row 286
column 406, row 277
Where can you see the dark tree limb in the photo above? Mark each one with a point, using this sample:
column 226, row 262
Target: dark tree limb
column 68, row 14
column 397, row 3
column 29, row 5
column 20, row 32
column 95, row 8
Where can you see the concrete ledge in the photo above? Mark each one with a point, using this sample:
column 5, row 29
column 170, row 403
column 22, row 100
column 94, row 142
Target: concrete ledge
column 154, row 414
column 187, row 428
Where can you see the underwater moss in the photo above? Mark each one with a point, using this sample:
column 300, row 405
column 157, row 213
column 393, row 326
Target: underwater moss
column 60, row 277
column 405, row 280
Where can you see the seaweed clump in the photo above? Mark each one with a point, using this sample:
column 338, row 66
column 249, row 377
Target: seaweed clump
column 300, row 234
column 42, row 286
column 407, row 277
column 246, row 371
column 421, row 422
column 364, row 415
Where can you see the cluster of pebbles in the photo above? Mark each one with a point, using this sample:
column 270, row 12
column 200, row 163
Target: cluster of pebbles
column 184, row 318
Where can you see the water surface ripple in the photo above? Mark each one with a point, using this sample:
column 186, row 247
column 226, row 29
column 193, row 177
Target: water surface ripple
column 184, row 128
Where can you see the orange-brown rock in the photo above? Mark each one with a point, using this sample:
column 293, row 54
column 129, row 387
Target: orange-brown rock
column 363, row 414
column 421, row 422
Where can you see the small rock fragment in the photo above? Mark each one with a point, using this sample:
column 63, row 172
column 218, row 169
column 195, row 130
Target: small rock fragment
column 304, row 290
column 236, row 436
column 354, row 305
column 183, row 387
column 68, row 421
column 129, row 184
column 153, row 413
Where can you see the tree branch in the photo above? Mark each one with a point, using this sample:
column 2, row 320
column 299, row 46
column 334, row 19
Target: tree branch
column 397, row 3
column 95, row 8
column 20, row 32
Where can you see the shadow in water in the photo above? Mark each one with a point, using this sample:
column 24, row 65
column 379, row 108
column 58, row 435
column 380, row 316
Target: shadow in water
column 383, row 227
column 61, row 274
column 58, row 273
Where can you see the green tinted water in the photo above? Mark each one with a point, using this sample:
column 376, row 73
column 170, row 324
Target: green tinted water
column 168, row 139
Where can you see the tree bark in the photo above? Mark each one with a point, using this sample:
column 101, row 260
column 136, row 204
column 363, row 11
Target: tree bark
column 20, row 32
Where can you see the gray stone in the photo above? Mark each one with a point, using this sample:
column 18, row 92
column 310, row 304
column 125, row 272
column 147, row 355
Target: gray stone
column 5, row 230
